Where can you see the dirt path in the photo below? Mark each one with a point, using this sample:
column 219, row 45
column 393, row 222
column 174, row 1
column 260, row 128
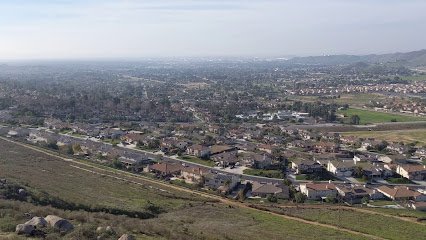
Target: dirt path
column 124, row 176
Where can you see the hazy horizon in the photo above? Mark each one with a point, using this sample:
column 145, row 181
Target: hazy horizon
column 131, row 29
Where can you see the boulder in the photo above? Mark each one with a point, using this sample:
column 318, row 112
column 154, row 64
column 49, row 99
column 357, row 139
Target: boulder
column 109, row 229
column 127, row 237
column 22, row 192
column 59, row 223
column 24, row 229
column 37, row 222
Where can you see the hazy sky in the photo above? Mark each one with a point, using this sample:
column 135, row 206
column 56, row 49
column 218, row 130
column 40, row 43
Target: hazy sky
column 170, row 28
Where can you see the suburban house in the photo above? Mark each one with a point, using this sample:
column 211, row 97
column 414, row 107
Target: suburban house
column 216, row 149
column 255, row 160
column 354, row 194
column 341, row 168
column 166, row 169
column 375, row 171
column 326, row 147
column 182, row 145
column 226, row 159
column 316, row 191
column 132, row 138
column 134, row 164
column 412, row 171
column 369, row 143
column 220, row 181
column 193, row 174
column 349, row 140
column 395, row 158
column 398, row 148
column 198, row 150
column 401, row 194
column 363, row 158
column 265, row 189
column 301, row 166
column 266, row 148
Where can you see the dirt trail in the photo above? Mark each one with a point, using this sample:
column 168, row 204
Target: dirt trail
column 126, row 175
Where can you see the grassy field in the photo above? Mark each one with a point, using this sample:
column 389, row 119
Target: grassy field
column 12, row 213
column 369, row 116
column 209, row 221
column 401, row 212
column 356, row 100
column 407, row 136
column 184, row 215
column 378, row 225
column 415, row 78
column 60, row 179
column 232, row 223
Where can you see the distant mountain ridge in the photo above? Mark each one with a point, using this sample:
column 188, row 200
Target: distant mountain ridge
column 407, row 59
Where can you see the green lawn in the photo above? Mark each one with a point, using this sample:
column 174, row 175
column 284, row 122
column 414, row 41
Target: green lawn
column 321, row 176
column 264, row 173
column 399, row 181
column 370, row 116
column 301, row 177
column 207, row 163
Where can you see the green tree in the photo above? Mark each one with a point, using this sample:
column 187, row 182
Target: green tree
column 299, row 197
column 70, row 150
column 358, row 172
column 330, row 199
column 241, row 195
column 53, row 145
column 365, row 200
column 355, row 120
column 272, row 198
column 287, row 182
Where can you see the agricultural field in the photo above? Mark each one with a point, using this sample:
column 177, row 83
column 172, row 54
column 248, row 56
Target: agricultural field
column 369, row 116
column 406, row 136
column 369, row 223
